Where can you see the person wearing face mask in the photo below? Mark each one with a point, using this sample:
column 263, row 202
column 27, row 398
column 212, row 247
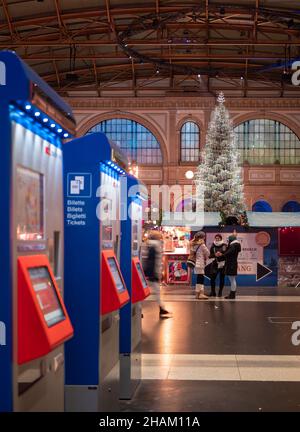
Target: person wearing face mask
column 218, row 246
column 231, row 263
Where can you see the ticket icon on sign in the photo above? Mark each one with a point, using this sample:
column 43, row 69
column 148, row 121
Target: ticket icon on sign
column 79, row 185
column 74, row 187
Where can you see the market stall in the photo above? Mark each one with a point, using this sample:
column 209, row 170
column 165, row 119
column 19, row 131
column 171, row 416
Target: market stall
column 176, row 242
column 270, row 254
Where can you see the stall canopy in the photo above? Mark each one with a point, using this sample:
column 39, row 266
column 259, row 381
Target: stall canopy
column 274, row 219
column 196, row 221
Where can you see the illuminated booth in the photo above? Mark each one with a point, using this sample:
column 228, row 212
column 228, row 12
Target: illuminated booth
column 95, row 288
column 34, row 121
column 133, row 193
column 270, row 255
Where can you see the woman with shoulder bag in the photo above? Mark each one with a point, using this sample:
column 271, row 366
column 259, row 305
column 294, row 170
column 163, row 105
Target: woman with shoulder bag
column 219, row 267
column 201, row 254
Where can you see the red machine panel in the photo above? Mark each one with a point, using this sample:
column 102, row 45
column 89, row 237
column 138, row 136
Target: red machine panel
column 140, row 287
column 114, row 293
column 43, row 322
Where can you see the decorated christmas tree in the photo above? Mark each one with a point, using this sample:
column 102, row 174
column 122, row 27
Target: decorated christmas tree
column 218, row 178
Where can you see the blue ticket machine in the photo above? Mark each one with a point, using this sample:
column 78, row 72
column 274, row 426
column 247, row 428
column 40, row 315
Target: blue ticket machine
column 133, row 193
column 34, row 122
column 95, row 288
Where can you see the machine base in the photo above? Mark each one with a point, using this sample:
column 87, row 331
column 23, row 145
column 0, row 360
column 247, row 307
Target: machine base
column 130, row 374
column 103, row 398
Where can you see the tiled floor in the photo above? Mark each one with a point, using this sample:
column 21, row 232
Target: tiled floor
column 214, row 396
column 242, row 291
column 218, row 355
column 210, row 327
column 243, row 298
column 220, row 367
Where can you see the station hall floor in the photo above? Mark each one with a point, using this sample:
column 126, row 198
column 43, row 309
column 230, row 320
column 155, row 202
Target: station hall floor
column 219, row 355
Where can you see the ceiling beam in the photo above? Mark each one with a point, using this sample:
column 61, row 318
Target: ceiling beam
column 134, row 81
column 8, row 19
column 125, row 68
column 134, row 11
column 142, row 42
column 171, row 56
column 107, row 5
column 96, row 28
column 56, row 73
column 157, row 6
column 96, row 79
column 255, row 21
column 91, row 87
column 62, row 28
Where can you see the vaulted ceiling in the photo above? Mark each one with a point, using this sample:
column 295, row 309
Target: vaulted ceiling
column 156, row 47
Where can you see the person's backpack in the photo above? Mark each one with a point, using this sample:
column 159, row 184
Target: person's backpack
column 150, row 262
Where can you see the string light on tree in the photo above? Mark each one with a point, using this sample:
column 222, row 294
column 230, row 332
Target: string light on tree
column 218, row 178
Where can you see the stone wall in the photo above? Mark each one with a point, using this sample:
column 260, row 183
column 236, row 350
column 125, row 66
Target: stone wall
column 164, row 117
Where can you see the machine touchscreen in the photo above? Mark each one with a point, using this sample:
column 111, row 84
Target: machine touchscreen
column 141, row 275
column 116, row 274
column 46, row 295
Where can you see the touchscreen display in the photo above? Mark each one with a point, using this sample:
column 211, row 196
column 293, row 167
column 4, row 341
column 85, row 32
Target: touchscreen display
column 116, row 274
column 141, row 274
column 46, row 295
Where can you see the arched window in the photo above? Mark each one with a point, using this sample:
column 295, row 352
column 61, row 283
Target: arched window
column 134, row 139
column 189, row 142
column 291, row 206
column 265, row 141
column 186, row 205
column 261, row 206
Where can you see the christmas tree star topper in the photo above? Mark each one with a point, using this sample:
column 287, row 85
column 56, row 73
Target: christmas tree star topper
column 221, row 98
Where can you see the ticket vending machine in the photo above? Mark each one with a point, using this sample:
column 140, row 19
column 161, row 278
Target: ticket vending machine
column 95, row 288
column 131, row 314
column 34, row 121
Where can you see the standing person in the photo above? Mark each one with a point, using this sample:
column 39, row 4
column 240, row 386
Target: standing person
column 231, row 263
column 218, row 246
column 202, row 254
column 153, row 268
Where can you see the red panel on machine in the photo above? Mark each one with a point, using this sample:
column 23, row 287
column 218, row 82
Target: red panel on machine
column 114, row 293
column 43, row 322
column 140, row 287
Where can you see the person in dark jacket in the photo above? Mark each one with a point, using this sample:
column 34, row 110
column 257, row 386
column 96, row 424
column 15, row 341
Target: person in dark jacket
column 219, row 266
column 231, row 263
column 153, row 269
